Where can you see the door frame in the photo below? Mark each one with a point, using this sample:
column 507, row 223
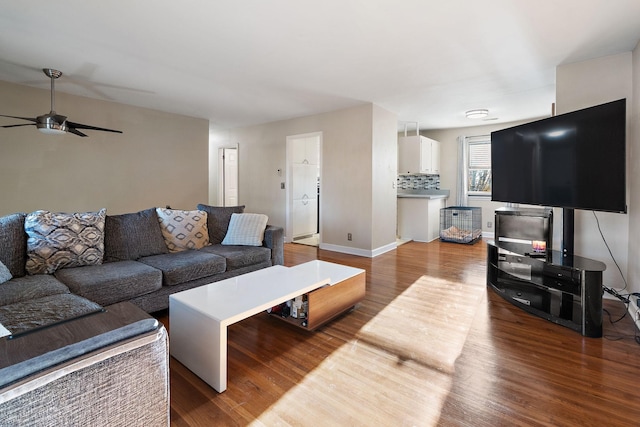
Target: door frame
column 289, row 184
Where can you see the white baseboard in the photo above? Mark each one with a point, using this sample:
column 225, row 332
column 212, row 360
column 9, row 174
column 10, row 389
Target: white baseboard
column 384, row 249
column 357, row 251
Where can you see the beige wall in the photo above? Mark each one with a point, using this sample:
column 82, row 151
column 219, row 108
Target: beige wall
column 160, row 159
column 384, row 179
column 352, row 140
column 580, row 85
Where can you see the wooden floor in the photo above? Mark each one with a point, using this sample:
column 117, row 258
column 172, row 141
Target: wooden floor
column 515, row 369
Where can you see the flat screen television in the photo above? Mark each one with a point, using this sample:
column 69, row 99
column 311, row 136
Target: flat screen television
column 575, row 160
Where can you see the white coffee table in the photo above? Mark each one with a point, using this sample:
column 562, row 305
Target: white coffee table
column 4, row 331
column 199, row 317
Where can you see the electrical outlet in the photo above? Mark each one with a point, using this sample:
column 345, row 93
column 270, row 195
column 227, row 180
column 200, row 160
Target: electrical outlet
column 349, row 236
column 282, row 185
column 489, row 224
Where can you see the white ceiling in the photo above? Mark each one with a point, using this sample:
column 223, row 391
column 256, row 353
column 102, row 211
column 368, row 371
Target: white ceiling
column 244, row 62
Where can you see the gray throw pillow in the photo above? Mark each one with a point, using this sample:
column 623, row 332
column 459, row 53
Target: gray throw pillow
column 218, row 218
column 132, row 236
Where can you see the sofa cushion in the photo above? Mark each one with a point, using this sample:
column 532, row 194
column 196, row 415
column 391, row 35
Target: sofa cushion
column 218, row 218
column 183, row 230
column 13, row 243
column 27, row 288
column 111, row 282
column 5, row 274
column 58, row 240
column 240, row 256
column 25, row 315
column 184, row 266
column 133, row 235
column 246, row 229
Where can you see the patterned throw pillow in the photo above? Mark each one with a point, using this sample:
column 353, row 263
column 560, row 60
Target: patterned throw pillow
column 183, row 230
column 246, row 229
column 58, row 240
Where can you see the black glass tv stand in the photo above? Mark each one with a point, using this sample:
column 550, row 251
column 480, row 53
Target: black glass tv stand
column 566, row 290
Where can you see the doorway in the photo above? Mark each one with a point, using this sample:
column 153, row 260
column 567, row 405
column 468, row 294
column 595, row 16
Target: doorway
column 228, row 176
column 303, row 194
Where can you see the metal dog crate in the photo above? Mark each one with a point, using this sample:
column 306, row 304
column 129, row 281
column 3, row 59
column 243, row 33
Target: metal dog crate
column 460, row 224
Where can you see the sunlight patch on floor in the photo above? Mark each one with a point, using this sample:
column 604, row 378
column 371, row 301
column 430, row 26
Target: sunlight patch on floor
column 402, row 358
column 360, row 385
column 428, row 322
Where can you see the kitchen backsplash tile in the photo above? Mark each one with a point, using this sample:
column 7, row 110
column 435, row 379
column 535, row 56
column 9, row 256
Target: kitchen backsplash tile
column 419, row 182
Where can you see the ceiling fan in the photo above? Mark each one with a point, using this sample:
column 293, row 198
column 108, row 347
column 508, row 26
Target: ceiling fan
column 53, row 123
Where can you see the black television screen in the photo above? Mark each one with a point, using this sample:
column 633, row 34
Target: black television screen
column 575, row 160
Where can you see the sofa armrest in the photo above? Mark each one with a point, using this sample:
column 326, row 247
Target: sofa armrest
column 274, row 240
column 125, row 382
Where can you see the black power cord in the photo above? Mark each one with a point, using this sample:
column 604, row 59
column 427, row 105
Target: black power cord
column 610, row 253
column 624, row 297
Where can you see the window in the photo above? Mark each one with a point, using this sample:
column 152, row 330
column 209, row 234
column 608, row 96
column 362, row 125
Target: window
column 478, row 166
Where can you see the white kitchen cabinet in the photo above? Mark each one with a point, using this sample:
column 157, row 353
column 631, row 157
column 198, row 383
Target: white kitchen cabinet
column 419, row 218
column 304, row 188
column 305, row 217
column 435, row 157
column 306, row 151
column 418, row 154
column 305, row 181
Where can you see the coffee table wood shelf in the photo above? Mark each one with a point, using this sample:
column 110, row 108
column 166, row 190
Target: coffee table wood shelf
column 199, row 317
column 329, row 301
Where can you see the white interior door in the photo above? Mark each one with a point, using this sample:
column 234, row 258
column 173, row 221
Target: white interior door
column 228, row 177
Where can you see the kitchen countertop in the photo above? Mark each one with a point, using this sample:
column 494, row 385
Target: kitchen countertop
column 423, row 194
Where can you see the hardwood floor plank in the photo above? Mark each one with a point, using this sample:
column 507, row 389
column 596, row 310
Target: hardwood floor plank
column 514, row 370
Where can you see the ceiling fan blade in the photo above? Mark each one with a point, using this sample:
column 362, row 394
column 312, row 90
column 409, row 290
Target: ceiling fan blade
column 81, row 126
column 31, row 119
column 15, row 126
column 75, row 131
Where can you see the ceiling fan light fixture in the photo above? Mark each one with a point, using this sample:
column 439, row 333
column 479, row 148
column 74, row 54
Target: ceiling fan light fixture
column 48, row 124
column 51, row 131
column 477, row 114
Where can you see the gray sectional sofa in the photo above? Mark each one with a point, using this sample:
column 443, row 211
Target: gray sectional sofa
column 67, row 309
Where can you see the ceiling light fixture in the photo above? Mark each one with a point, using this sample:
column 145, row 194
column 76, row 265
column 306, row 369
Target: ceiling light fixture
column 52, row 124
column 477, row 114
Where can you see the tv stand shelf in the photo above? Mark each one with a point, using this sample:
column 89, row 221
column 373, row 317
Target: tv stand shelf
column 566, row 290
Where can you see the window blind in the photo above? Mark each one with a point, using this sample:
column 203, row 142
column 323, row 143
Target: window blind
column 480, row 155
